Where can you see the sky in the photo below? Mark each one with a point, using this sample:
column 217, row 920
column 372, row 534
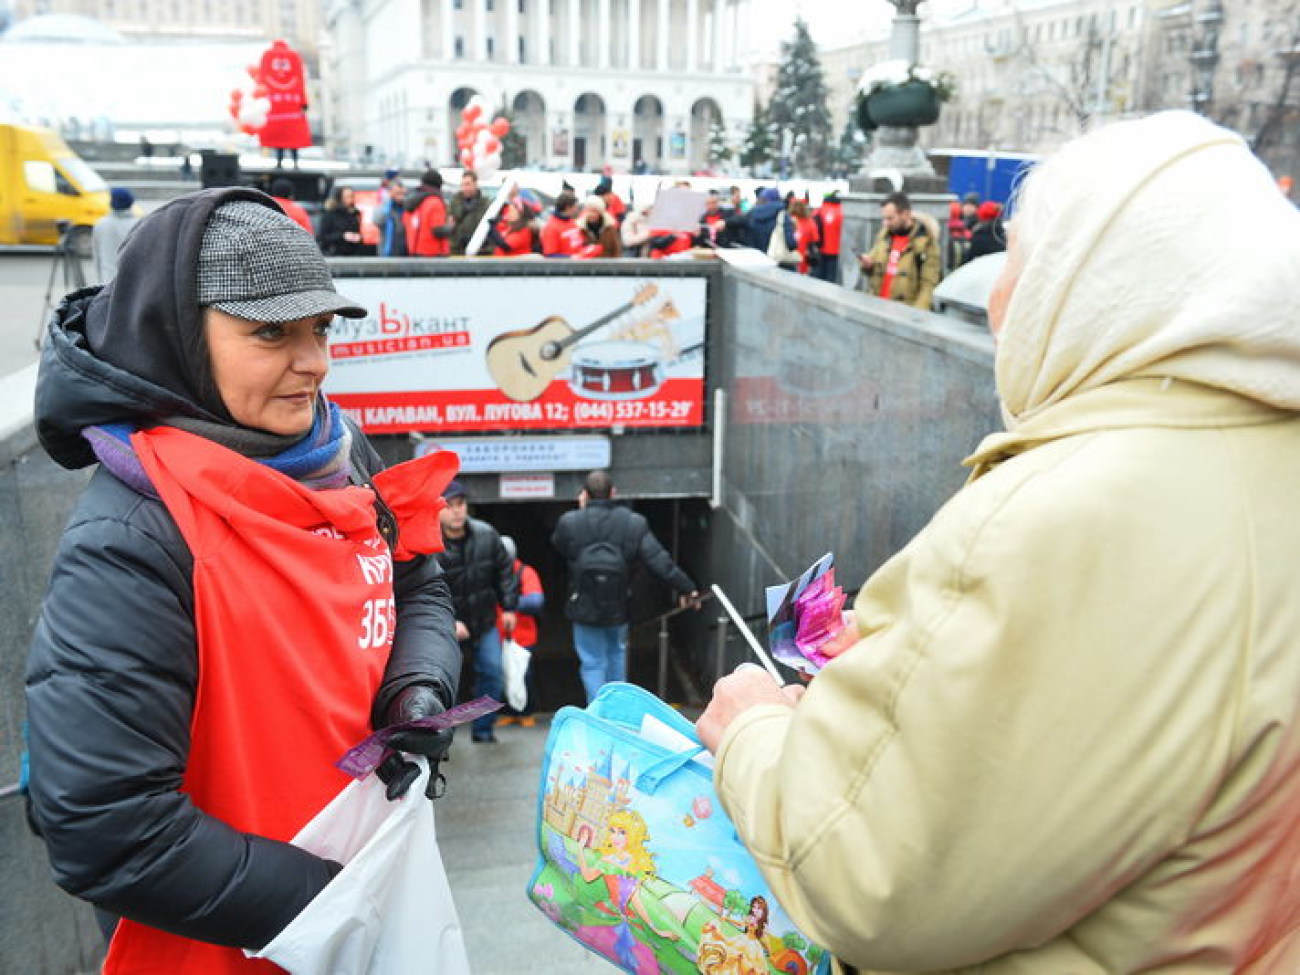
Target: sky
column 833, row 23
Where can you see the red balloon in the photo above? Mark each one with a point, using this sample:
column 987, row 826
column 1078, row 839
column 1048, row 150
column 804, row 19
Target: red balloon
column 467, row 158
column 492, row 146
column 462, row 133
column 499, row 127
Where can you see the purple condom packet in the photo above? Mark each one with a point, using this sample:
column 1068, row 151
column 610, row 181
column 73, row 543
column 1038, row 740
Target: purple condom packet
column 818, row 611
column 363, row 758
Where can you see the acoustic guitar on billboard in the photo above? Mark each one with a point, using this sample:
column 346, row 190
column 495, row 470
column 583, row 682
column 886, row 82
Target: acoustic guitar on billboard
column 524, row 362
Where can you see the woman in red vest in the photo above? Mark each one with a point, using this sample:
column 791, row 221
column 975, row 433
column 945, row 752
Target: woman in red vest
column 807, row 235
column 561, row 236
column 516, row 233
column 428, row 232
column 227, row 613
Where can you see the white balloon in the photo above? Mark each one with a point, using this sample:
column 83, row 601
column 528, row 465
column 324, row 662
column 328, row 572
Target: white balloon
column 253, row 112
column 488, row 166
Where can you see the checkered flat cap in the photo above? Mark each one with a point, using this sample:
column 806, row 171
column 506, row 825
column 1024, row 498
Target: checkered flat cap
column 256, row 263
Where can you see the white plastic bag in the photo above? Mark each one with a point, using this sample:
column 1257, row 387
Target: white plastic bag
column 514, row 667
column 390, row 909
column 777, row 248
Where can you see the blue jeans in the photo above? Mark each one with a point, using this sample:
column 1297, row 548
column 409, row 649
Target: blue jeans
column 603, row 653
column 488, row 678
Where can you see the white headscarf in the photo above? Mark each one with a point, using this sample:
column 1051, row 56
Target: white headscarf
column 1158, row 247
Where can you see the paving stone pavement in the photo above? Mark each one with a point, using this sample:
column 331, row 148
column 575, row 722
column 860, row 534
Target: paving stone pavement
column 485, row 831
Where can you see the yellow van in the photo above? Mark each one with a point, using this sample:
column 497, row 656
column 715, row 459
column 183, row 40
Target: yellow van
column 42, row 184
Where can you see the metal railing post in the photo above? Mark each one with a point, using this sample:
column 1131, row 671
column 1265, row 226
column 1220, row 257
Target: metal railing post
column 720, row 661
column 663, row 658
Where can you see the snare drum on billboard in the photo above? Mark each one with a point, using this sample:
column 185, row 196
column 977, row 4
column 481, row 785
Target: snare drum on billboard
column 616, row 370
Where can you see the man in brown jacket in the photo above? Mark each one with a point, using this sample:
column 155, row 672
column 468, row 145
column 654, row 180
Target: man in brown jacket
column 903, row 264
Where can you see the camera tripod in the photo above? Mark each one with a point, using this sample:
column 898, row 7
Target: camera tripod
column 67, row 259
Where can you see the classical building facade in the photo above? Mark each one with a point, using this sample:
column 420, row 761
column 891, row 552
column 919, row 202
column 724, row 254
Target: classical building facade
column 1033, row 74
column 587, row 83
column 296, row 21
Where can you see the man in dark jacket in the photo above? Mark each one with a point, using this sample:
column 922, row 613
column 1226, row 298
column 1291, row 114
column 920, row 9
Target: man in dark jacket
column 480, row 574
column 466, row 212
column 593, row 541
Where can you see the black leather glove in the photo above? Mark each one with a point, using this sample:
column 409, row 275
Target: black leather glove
column 412, row 702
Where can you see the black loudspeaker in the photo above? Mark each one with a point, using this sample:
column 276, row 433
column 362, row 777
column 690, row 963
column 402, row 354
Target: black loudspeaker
column 219, row 169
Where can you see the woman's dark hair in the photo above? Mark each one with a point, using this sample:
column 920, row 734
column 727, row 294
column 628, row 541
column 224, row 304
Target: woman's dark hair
column 523, row 215
column 336, row 198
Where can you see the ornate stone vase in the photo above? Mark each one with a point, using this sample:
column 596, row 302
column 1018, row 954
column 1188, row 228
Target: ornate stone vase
column 912, row 103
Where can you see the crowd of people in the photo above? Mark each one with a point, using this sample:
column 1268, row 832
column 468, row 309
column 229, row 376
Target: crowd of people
column 420, row 221
column 904, row 263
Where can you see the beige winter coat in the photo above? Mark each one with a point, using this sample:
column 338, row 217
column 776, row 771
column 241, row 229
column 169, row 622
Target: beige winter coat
column 1068, row 741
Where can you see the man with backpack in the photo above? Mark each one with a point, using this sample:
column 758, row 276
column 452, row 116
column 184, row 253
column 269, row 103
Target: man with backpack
column 600, row 542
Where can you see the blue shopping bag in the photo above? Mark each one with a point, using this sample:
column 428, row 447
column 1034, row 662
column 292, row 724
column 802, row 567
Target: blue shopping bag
column 636, row 858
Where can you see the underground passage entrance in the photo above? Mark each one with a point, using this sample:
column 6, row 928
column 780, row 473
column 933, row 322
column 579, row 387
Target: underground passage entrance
column 681, row 525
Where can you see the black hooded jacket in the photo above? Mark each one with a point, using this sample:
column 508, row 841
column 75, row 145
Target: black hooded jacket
column 481, row 576
column 113, row 667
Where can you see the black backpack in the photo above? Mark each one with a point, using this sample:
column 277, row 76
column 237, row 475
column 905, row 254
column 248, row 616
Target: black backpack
column 599, row 587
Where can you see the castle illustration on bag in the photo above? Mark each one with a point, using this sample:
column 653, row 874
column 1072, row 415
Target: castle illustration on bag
column 646, row 881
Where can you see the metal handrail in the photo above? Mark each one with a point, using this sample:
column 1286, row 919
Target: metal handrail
column 11, row 791
column 662, row 619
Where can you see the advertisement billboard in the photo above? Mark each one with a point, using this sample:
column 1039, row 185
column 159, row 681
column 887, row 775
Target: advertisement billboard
column 480, row 353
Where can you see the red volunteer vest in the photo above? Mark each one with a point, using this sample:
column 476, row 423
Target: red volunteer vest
column 293, row 601
column 832, row 218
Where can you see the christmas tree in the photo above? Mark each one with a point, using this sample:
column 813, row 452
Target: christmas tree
column 798, row 108
column 848, row 155
column 719, row 150
column 759, row 142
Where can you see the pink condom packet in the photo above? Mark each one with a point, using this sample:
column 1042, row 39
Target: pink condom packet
column 818, row 612
column 363, row 758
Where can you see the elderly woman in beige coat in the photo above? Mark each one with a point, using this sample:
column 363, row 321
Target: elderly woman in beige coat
column 1064, row 738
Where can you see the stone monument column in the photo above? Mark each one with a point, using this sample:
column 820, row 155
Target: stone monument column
column 895, row 163
column 894, row 146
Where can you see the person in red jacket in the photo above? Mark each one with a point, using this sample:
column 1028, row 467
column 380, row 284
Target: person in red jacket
column 958, row 235
column 531, row 601
column 830, row 221
column 515, row 232
column 806, row 235
column 562, row 237
column 614, row 204
column 428, row 233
